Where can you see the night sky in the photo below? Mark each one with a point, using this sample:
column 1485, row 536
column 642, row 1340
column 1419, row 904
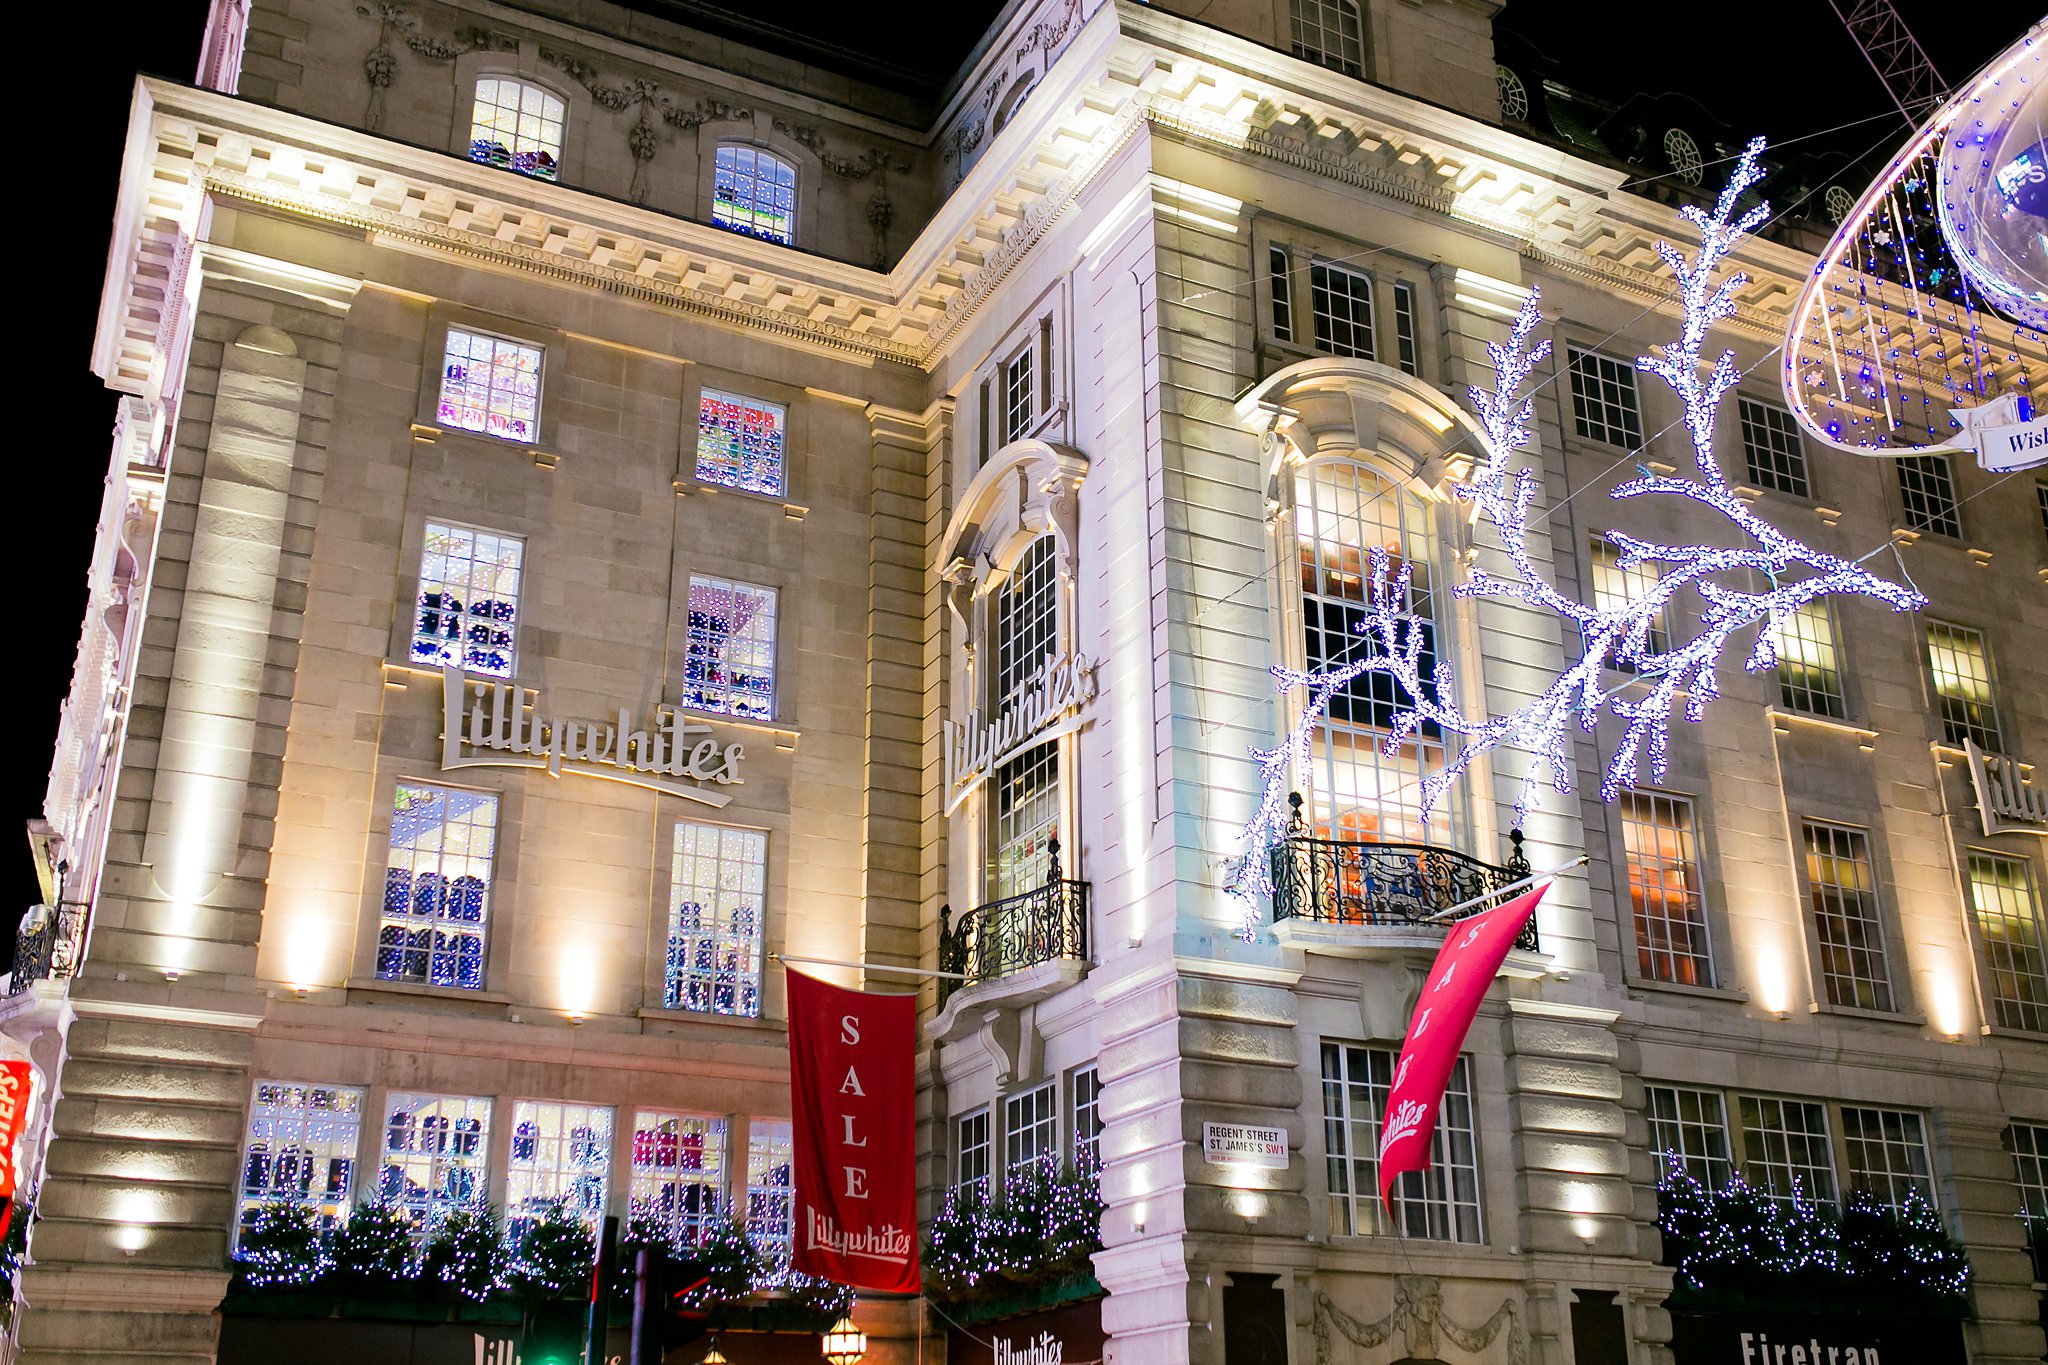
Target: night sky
column 1784, row 68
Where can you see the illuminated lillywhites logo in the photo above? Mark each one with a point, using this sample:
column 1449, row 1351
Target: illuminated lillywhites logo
column 886, row 1243
column 1052, row 702
column 2006, row 802
column 1043, row 1349
column 501, row 731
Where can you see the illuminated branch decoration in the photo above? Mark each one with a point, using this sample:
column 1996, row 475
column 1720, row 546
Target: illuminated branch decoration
column 1398, row 641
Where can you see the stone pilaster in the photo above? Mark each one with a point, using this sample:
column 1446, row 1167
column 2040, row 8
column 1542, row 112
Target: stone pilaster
column 2007, row 1324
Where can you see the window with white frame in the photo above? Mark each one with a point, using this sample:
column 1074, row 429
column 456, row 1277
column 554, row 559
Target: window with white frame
column 301, row 1147
column 1441, row 1203
column 739, row 442
column 490, row 384
column 679, row 1174
column 437, row 886
column 1031, row 1127
column 435, row 1149
column 1771, row 448
column 718, row 881
column 1664, row 888
column 1962, row 686
column 771, row 1198
column 1087, row 1117
column 729, row 658
column 1279, row 280
column 1842, row 890
column 467, row 614
column 1329, row 33
column 1689, row 1132
column 1616, row 586
column 1018, row 392
column 516, row 125
column 1343, row 511
column 1340, row 305
column 1886, row 1152
column 1927, row 492
column 1786, row 1148
column 974, row 1155
column 1024, row 793
column 1406, row 353
column 1605, row 406
column 1810, row 661
column 558, row 1151
column 2028, row 1143
column 2009, row 927
column 754, row 193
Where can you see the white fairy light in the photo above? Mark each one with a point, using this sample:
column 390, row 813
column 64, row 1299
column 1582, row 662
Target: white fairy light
column 1797, row 574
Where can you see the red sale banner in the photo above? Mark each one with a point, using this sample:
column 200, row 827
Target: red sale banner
column 1465, row 967
column 17, row 1079
column 850, row 1094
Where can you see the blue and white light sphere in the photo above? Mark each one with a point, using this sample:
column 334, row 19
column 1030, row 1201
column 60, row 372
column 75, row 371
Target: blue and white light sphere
column 1994, row 185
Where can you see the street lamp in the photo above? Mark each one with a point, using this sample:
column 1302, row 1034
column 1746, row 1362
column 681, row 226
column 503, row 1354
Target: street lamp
column 714, row 1356
column 845, row 1344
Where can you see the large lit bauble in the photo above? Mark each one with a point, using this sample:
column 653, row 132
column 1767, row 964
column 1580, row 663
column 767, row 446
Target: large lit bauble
column 1994, row 185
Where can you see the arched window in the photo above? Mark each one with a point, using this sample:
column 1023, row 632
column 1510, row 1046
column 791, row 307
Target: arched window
column 1327, row 32
column 754, row 192
column 1024, row 794
column 1342, row 510
column 516, row 126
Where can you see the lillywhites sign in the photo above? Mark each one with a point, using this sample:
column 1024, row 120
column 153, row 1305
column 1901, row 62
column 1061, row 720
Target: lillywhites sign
column 1242, row 1144
column 2005, row 803
column 499, row 731
column 1043, row 1349
column 1053, row 702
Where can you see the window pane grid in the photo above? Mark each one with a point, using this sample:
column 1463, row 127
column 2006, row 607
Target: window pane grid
column 1340, row 304
column 491, row 385
column 754, row 192
column 1772, row 449
column 1279, row 276
column 300, row 1146
column 1439, row 1204
column 1031, row 1127
column 1689, row 1130
column 1604, row 401
column 1786, row 1146
column 517, row 126
column 1809, row 662
column 729, row 658
column 1026, row 819
column 975, row 1153
column 739, row 442
column 1927, row 489
column 435, row 1147
column 1842, row 889
column 2029, row 1143
column 1327, row 32
column 437, row 886
column 1887, row 1152
column 1962, row 686
column 718, row 880
column 467, row 614
column 1663, row 883
column 1017, row 396
column 1342, row 510
column 1087, row 1118
column 1027, row 618
column 2009, row 923
column 1404, row 329
column 1615, row 587
column 559, row 1151
column 679, row 1173
column 771, row 1200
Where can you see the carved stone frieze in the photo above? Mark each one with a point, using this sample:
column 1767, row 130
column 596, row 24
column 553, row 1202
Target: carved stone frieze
column 398, row 25
column 1418, row 1315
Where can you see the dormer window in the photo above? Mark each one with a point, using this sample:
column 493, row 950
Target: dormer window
column 516, row 126
column 754, row 192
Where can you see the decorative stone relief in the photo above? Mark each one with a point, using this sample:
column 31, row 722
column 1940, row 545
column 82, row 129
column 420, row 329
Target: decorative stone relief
column 396, row 24
column 1418, row 1314
column 875, row 161
column 1029, row 60
column 650, row 105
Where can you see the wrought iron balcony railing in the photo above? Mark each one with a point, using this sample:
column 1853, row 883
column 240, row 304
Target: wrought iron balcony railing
column 1048, row 923
column 46, row 949
column 1341, row 881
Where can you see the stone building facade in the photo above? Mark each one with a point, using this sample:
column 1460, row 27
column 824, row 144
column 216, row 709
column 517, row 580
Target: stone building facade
column 482, row 362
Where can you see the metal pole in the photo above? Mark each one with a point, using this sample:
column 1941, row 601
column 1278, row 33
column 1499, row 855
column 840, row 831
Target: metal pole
column 1461, row 906
column 642, row 1269
column 866, row 966
column 602, row 1267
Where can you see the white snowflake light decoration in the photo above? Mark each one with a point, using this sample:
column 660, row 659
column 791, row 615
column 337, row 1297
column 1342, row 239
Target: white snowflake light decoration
column 1797, row 574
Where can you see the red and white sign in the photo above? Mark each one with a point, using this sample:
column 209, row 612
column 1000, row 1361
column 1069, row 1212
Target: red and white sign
column 17, row 1082
column 851, row 1092
column 1465, row 967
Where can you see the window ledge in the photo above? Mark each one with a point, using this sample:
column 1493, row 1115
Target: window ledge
column 1866, row 740
column 1731, row 994
column 688, row 487
column 752, row 1023
column 785, row 738
column 1860, row 1012
column 427, row 434
column 2007, row 1031
column 412, row 990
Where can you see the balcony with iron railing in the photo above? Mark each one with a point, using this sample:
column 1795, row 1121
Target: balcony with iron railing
column 1349, row 895
column 1046, row 926
column 46, row 946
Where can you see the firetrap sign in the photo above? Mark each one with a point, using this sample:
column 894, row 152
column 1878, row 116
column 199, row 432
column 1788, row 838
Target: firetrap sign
column 1244, row 1144
column 1743, row 1337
